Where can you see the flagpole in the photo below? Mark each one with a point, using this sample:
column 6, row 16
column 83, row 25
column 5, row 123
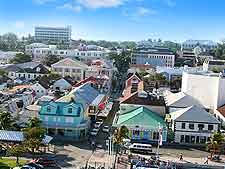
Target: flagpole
column 158, row 141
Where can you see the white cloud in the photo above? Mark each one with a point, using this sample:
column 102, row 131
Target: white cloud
column 19, row 24
column 41, row 2
column 74, row 8
column 100, row 3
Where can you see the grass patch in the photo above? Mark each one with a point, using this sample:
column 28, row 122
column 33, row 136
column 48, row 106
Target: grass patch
column 7, row 163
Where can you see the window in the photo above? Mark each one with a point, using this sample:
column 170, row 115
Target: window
column 200, row 126
column 78, row 111
column 192, row 139
column 183, row 125
column 187, row 139
column 29, row 76
column 191, row 126
column 66, row 70
column 48, row 109
column 210, row 127
column 182, row 138
column 70, row 110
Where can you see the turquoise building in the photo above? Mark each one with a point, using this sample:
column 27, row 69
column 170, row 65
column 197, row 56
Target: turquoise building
column 143, row 124
column 68, row 116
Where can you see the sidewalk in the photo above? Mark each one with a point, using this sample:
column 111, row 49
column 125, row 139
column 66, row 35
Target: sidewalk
column 190, row 160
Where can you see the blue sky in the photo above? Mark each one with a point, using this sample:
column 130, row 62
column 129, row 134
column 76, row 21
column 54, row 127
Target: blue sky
column 118, row 19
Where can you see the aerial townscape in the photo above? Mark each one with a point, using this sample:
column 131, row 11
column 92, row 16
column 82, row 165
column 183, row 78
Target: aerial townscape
column 71, row 103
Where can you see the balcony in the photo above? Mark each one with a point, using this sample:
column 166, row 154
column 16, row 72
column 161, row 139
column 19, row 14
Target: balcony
column 83, row 124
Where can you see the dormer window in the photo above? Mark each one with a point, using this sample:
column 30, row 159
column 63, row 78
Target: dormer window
column 48, row 109
column 70, row 110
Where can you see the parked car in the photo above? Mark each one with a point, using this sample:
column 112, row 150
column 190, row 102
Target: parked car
column 106, row 129
column 98, row 124
column 27, row 167
column 93, row 133
column 36, row 166
column 45, row 162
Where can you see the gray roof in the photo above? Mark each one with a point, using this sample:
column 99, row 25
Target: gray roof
column 30, row 65
column 194, row 114
column 18, row 136
column 180, row 100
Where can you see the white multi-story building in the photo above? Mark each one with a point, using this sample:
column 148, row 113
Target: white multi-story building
column 206, row 87
column 41, row 53
column 53, row 34
column 29, row 49
column 193, row 125
column 153, row 56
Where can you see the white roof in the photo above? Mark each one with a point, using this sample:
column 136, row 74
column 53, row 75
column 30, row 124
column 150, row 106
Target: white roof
column 180, row 99
column 194, row 114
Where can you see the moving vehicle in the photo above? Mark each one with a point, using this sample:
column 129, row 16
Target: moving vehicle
column 140, row 148
column 106, row 129
column 98, row 124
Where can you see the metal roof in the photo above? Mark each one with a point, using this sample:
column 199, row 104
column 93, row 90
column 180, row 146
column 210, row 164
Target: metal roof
column 18, row 136
column 97, row 100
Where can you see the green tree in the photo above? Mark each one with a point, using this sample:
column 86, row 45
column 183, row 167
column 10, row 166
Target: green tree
column 34, row 122
column 120, row 134
column 216, row 140
column 121, row 61
column 33, row 138
column 21, row 58
column 6, row 120
column 51, row 59
column 17, row 150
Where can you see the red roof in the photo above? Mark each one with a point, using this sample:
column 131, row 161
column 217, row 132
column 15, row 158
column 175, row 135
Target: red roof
column 222, row 110
column 89, row 79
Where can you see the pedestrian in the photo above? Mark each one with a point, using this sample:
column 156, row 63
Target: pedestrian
column 207, row 160
column 181, row 156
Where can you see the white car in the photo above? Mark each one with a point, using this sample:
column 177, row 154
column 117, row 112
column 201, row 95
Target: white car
column 105, row 129
column 98, row 124
column 94, row 133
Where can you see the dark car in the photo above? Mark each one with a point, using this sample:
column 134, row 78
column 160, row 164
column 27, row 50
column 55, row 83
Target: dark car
column 46, row 162
column 36, row 166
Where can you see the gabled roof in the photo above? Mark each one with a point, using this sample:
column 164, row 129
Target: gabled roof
column 84, row 94
column 221, row 110
column 139, row 116
column 133, row 74
column 60, row 81
column 149, row 100
column 180, row 99
column 27, row 65
column 70, row 63
column 194, row 114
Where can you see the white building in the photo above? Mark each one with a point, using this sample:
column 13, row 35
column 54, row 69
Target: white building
column 193, row 125
column 53, row 34
column 72, row 68
column 206, row 87
column 40, row 90
column 153, row 56
column 30, row 48
column 27, row 71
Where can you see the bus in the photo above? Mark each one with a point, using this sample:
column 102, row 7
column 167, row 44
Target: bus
column 141, row 148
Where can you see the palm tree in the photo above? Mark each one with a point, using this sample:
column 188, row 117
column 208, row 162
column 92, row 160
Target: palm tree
column 119, row 135
column 215, row 143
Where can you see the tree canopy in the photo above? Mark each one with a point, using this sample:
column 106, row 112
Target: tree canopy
column 121, row 61
column 51, row 59
column 21, row 58
column 6, row 120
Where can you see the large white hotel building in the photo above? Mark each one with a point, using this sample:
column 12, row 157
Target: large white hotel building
column 52, row 34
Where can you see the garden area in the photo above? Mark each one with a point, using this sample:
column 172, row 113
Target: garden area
column 7, row 163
